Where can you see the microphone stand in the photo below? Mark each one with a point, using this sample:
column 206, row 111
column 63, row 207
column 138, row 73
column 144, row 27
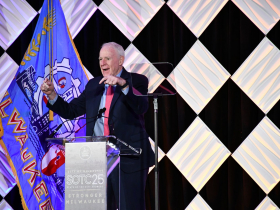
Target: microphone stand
column 155, row 102
column 156, row 152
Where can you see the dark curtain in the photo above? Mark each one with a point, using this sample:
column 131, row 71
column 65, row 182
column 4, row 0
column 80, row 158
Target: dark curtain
column 231, row 114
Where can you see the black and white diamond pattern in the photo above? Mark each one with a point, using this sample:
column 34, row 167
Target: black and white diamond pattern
column 198, row 75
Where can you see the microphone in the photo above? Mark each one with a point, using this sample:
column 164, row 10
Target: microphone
column 99, row 115
column 55, row 130
column 100, row 112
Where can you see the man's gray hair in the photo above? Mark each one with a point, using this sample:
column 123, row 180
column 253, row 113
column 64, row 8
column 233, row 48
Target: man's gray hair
column 116, row 46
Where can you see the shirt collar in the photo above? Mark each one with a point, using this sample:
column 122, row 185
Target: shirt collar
column 119, row 74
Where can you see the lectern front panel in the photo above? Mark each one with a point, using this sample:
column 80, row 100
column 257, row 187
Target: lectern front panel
column 85, row 176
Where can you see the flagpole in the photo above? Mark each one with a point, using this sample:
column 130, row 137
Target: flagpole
column 50, row 51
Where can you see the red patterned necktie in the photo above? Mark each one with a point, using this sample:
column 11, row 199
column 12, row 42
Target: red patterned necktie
column 109, row 97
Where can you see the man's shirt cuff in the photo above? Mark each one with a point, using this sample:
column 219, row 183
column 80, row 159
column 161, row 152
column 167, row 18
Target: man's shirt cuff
column 125, row 91
column 54, row 100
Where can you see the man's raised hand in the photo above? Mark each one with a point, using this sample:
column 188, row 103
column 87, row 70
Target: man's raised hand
column 112, row 80
column 47, row 87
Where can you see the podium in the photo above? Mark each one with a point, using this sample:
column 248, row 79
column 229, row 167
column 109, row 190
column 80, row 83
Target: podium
column 88, row 162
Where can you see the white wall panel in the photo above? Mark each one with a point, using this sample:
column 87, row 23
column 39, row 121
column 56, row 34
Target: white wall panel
column 198, row 204
column 198, row 77
column 259, row 155
column 8, row 69
column 259, row 75
column 130, row 16
column 77, row 13
column 14, row 17
column 136, row 62
column 5, row 206
column 198, row 154
column 267, row 204
column 263, row 13
column 197, row 15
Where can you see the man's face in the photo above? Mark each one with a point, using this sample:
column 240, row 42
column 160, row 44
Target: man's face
column 110, row 62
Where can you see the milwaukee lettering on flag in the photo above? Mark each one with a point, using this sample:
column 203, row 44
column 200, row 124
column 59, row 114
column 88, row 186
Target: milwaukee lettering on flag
column 37, row 165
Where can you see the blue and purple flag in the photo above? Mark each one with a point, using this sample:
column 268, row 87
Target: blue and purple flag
column 38, row 166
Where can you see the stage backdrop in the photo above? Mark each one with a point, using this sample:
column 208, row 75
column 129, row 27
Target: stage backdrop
column 219, row 136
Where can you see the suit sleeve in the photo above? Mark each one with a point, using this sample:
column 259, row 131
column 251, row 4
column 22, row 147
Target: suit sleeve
column 75, row 108
column 139, row 104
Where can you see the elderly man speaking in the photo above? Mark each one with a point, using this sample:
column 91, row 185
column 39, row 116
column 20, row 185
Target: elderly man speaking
column 125, row 120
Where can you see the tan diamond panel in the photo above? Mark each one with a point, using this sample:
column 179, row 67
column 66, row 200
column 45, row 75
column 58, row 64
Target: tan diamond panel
column 4, row 205
column 264, row 14
column 259, row 76
column 77, row 13
column 8, row 69
column 198, row 204
column 259, row 155
column 136, row 62
column 130, row 17
column 198, row 77
column 267, row 204
column 198, row 154
column 197, row 15
column 15, row 16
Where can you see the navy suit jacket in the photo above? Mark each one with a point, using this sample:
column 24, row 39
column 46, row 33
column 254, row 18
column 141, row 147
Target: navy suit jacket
column 126, row 117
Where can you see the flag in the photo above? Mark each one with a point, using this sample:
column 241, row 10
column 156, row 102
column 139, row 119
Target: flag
column 1, row 128
column 52, row 160
column 38, row 166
